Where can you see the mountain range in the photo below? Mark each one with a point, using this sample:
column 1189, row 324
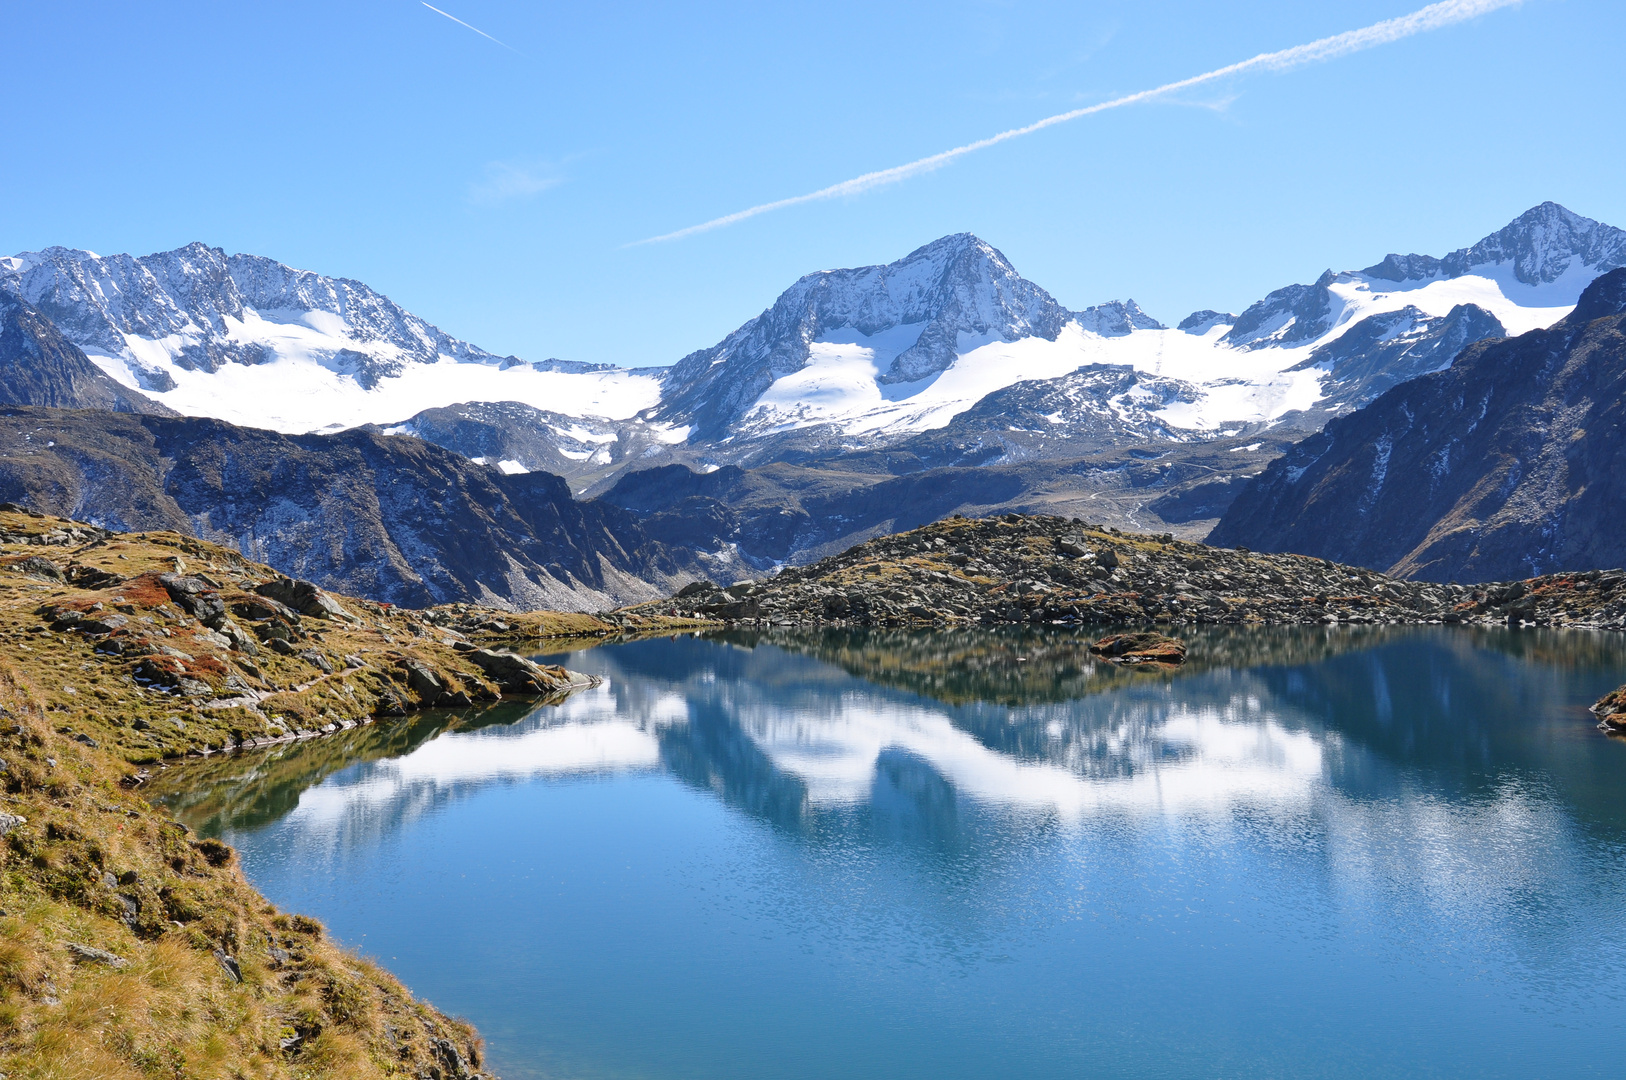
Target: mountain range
column 864, row 356
column 862, row 401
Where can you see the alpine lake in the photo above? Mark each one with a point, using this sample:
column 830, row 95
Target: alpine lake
column 1308, row 852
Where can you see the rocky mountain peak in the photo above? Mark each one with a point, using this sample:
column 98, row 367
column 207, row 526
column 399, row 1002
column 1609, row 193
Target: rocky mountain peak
column 1288, row 316
column 1541, row 243
column 1116, row 317
column 956, row 285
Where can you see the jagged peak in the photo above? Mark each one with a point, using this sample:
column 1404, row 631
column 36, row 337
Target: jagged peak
column 1541, row 243
column 1116, row 317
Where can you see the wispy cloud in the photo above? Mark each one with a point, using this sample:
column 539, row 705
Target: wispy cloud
column 509, row 181
column 1433, row 17
column 476, row 29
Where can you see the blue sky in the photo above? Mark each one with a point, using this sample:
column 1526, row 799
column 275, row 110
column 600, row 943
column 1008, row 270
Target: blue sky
column 495, row 190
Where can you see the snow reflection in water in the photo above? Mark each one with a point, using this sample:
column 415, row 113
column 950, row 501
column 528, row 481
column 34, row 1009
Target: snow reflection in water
column 1388, row 852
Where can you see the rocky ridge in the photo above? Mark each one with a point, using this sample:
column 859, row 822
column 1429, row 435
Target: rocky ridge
column 1016, row 569
column 39, row 366
column 391, row 518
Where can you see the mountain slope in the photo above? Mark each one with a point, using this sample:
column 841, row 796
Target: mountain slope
column 386, row 517
column 1510, row 463
column 38, row 366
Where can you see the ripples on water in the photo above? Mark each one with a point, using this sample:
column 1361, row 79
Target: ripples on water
column 1310, row 853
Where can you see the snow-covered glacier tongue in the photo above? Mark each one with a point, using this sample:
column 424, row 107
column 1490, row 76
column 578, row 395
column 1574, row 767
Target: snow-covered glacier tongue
column 248, row 340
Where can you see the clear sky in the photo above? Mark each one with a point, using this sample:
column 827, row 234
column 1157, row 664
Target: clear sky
column 495, row 188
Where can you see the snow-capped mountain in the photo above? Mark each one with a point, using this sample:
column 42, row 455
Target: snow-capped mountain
column 890, row 351
column 843, row 360
column 249, row 340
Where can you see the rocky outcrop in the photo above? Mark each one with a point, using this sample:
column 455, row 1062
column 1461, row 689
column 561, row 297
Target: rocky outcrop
column 1145, row 647
column 516, row 673
column 1017, row 569
column 1511, row 462
column 1611, row 711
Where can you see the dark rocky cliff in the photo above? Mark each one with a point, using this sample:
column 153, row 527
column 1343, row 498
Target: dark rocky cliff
column 1510, row 463
column 38, row 366
column 386, row 517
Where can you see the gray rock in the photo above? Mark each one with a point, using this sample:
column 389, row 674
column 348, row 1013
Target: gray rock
column 88, row 954
column 321, row 662
column 229, row 965
column 422, row 680
column 39, row 566
column 305, row 598
column 517, row 673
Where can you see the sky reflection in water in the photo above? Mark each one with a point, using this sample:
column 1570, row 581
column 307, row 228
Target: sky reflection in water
column 1326, row 853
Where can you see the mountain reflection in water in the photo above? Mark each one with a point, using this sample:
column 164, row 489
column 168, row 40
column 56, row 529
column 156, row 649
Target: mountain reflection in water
column 795, row 724
column 1334, row 852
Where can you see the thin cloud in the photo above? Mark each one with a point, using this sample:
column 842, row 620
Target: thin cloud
column 510, row 181
column 1433, row 17
column 476, row 29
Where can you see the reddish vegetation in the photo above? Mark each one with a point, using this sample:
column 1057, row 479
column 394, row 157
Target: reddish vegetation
column 144, row 591
column 1143, row 648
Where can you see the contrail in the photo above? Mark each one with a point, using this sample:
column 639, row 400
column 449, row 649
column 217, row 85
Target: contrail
column 476, row 29
column 1432, row 17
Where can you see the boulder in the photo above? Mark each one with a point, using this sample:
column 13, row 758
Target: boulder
column 196, row 597
column 519, row 674
column 306, row 598
column 101, row 624
column 425, row 682
column 317, row 660
column 262, row 608
column 89, row 954
column 38, row 566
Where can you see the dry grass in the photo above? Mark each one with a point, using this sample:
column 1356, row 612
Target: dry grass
column 95, row 865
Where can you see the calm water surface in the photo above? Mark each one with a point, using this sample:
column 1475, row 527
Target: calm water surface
column 1327, row 853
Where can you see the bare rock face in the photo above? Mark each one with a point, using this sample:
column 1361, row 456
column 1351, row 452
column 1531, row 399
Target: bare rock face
column 1509, row 464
